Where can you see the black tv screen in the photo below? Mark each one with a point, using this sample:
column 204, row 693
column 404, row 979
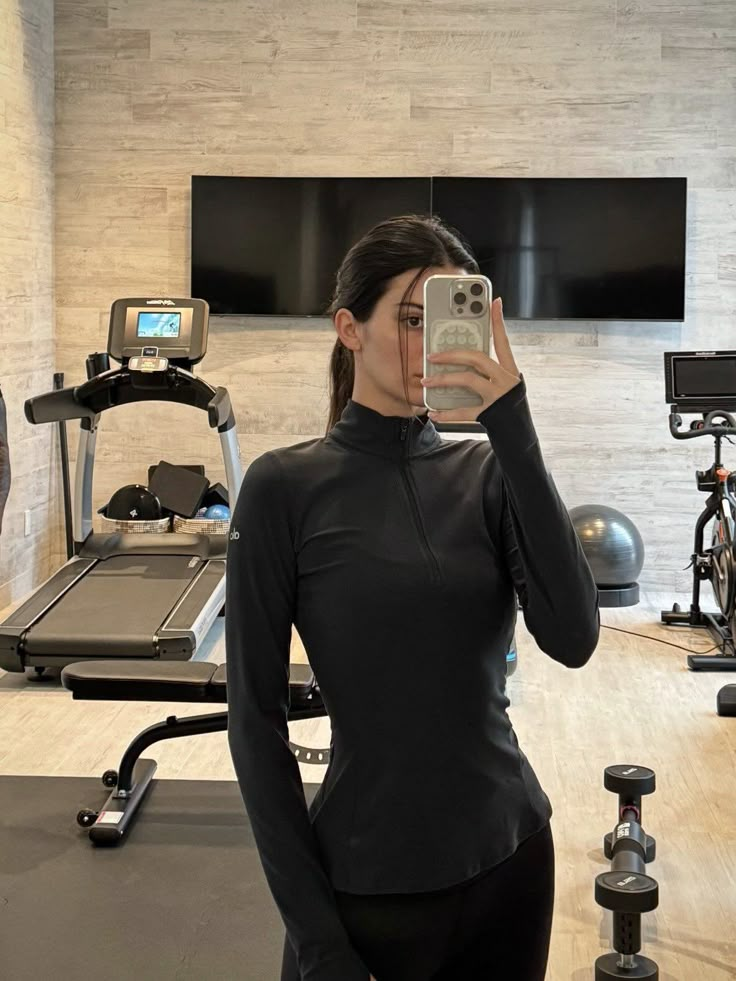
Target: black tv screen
column 271, row 246
column 554, row 248
column 574, row 248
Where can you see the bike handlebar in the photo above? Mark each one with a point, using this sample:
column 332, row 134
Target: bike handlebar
column 719, row 429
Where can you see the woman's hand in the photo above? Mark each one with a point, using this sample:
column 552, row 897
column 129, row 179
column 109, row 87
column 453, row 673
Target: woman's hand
column 495, row 378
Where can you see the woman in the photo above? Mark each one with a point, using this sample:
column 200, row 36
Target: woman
column 427, row 851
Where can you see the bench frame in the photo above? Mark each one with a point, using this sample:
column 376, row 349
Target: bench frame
column 130, row 783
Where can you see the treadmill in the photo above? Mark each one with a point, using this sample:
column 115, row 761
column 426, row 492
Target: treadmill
column 152, row 596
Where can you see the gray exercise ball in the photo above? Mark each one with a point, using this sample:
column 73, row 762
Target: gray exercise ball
column 611, row 543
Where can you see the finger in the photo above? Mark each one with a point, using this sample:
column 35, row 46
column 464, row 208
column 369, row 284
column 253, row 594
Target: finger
column 501, row 343
column 484, row 364
column 468, row 379
column 454, row 415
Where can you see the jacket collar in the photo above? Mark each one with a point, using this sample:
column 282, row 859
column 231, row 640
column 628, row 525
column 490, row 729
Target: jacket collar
column 394, row 437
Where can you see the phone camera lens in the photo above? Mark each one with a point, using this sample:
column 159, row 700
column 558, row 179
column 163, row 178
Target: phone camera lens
column 476, row 306
column 460, row 298
column 476, row 289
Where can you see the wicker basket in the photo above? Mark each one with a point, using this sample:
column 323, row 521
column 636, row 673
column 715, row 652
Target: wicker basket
column 201, row 526
column 157, row 527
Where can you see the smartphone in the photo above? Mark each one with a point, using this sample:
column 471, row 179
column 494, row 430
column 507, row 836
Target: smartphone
column 457, row 316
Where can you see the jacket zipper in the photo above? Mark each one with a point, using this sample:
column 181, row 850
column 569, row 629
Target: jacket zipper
column 429, row 554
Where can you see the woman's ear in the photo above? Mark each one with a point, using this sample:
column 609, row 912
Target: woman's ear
column 347, row 328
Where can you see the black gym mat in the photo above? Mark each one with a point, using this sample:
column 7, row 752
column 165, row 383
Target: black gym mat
column 183, row 898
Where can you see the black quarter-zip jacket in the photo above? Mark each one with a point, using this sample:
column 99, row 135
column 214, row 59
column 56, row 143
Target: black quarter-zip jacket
column 398, row 556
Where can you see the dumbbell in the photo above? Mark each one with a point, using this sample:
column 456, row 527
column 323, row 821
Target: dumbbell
column 626, row 889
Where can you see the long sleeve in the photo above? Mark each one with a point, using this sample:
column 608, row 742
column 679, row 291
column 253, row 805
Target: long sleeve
column 534, row 531
column 260, row 598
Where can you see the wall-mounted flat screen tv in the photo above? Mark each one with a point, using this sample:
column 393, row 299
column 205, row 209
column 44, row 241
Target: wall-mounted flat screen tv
column 574, row 248
column 271, row 246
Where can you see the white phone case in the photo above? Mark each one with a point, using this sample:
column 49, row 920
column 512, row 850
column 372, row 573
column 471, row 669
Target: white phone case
column 450, row 324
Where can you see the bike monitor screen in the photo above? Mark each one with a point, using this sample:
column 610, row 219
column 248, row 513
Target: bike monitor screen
column 705, row 377
column 158, row 324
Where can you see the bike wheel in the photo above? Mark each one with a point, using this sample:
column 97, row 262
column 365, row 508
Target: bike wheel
column 723, row 573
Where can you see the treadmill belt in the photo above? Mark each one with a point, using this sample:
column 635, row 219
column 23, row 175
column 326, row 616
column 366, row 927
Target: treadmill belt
column 116, row 609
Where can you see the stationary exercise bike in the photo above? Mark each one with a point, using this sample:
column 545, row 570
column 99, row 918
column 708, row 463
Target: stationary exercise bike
column 705, row 383
column 716, row 563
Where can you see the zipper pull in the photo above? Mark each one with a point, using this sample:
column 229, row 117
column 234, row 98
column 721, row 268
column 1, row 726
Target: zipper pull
column 404, row 428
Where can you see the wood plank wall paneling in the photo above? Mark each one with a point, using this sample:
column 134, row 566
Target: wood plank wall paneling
column 606, row 88
column 27, row 346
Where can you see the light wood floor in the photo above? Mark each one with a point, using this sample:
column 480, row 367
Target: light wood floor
column 635, row 702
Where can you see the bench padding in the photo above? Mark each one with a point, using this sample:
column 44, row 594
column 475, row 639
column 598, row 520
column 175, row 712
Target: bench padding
column 165, row 681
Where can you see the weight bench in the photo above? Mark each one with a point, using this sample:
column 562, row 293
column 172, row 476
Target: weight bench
column 166, row 681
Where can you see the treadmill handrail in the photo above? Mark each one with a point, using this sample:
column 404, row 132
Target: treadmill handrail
column 220, row 410
column 57, row 406
column 118, row 387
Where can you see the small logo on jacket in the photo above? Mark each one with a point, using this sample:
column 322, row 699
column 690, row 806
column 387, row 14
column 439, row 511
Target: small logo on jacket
column 234, row 536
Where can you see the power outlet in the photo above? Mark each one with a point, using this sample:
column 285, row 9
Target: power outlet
column 27, row 523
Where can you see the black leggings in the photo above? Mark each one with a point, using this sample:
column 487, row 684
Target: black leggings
column 495, row 926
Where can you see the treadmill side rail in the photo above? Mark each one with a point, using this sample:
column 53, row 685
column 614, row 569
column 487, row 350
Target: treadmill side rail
column 14, row 628
column 192, row 617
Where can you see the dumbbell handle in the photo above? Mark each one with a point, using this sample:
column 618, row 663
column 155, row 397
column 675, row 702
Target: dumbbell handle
column 628, row 860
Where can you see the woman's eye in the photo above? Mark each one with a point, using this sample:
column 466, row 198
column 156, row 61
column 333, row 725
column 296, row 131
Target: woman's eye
column 414, row 322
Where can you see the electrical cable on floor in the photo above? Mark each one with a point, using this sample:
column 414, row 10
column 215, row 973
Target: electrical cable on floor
column 658, row 640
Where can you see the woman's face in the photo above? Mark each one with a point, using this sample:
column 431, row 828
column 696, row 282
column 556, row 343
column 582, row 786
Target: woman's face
column 377, row 345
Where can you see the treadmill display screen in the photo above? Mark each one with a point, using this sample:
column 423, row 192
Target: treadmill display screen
column 159, row 324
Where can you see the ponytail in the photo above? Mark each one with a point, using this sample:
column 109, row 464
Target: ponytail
column 342, row 378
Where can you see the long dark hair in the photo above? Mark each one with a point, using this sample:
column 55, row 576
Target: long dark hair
column 390, row 248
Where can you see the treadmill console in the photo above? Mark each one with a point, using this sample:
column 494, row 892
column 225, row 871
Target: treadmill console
column 166, row 328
